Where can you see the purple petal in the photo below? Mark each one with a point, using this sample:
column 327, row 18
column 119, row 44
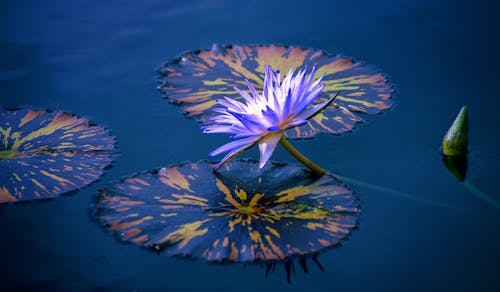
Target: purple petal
column 252, row 89
column 235, row 152
column 297, row 123
column 268, row 82
column 311, row 76
column 231, row 104
column 248, row 122
column 220, row 110
column 245, row 95
column 286, row 108
column 242, row 134
column 211, row 129
column 235, row 145
column 307, row 99
column 267, row 145
column 270, row 116
column 310, row 113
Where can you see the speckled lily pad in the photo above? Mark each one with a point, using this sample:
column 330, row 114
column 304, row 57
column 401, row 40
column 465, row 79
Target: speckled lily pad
column 45, row 154
column 197, row 79
column 239, row 214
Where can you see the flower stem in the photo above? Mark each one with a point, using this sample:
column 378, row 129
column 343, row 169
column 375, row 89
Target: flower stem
column 317, row 171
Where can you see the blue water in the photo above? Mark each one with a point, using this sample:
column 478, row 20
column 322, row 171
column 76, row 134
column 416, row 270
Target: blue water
column 99, row 59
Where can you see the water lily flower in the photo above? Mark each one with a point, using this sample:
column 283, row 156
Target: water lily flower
column 263, row 118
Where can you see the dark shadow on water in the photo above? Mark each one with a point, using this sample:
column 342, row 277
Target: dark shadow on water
column 289, row 264
column 456, row 165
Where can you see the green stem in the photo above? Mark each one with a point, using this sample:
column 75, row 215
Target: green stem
column 492, row 202
column 390, row 191
column 484, row 197
column 318, row 171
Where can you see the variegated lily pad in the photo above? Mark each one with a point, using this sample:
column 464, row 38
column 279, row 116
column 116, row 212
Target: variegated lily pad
column 197, row 79
column 44, row 154
column 239, row 214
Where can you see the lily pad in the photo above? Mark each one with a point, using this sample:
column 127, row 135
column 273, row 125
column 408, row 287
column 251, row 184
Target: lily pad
column 45, row 154
column 197, row 79
column 239, row 214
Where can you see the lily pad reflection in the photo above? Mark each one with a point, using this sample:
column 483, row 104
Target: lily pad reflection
column 240, row 214
column 44, row 154
column 197, row 79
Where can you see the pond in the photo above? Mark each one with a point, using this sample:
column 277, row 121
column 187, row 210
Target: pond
column 419, row 227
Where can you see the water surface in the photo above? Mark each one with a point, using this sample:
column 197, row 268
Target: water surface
column 99, row 60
